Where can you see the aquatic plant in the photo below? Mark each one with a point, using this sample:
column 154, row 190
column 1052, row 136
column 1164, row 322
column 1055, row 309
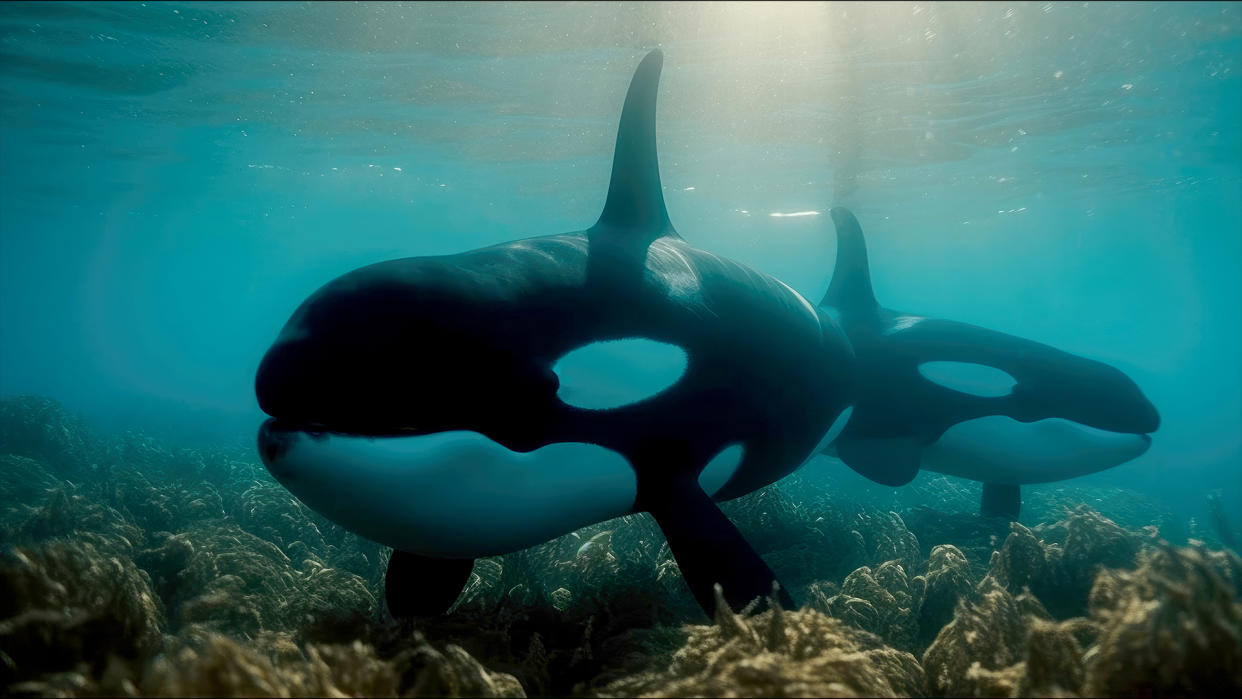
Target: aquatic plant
column 1026, row 560
column 778, row 653
column 884, row 602
column 886, row 537
column 947, row 581
column 65, row 511
column 41, row 429
column 268, row 511
column 553, row 648
column 73, row 604
column 1094, row 542
column 151, row 569
column 1061, row 574
column 22, row 481
column 221, row 576
column 986, row 635
column 1053, row 666
column 1127, row 508
column 209, row 664
column 1172, row 627
column 973, row 536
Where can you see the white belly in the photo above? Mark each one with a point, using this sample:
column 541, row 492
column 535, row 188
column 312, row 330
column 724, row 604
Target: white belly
column 456, row 494
column 999, row 449
column 461, row 495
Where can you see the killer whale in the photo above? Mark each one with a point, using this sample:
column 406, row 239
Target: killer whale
column 971, row 402
column 436, row 404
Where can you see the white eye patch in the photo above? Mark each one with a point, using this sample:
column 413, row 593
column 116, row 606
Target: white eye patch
column 967, row 377
column 611, row 374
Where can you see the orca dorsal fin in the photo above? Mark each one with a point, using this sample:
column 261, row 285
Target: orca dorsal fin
column 850, row 288
column 635, row 205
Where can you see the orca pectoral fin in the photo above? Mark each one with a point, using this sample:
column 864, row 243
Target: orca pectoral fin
column 420, row 586
column 1001, row 500
column 887, row 461
column 710, row 550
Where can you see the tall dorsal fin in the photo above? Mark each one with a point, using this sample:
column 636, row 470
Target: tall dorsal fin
column 850, row 288
column 635, row 205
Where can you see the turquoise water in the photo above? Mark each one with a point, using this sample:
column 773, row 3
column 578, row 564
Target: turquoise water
column 176, row 177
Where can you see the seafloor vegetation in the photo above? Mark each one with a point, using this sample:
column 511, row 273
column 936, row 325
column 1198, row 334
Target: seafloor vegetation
column 131, row 568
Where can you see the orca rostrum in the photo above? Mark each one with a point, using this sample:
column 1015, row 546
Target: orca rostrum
column 966, row 401
column 475, row 404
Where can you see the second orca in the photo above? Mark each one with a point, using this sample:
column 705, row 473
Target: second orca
column 966, row 401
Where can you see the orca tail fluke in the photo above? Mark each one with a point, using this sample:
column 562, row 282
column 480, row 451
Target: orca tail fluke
column 850, row 288
column 422, row 586
column 1001, row 501
column 635, row 201
column 712, row 554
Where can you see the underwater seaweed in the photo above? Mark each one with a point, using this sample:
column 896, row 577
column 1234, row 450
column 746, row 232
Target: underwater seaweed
column 69, row 604
column 887, row 538
column 65, row 512
column 1171, row 627
column 1127, row 508
column 768, row 517
column 598, row 635
column 268, row 511
column 1092, row 542
column 22, row 480
column 1061, row 574
column 883, row 602
column 1025, row 560
column 947, row 581
column 986, row 636
column 778, row 653
column 973, row 536
column 1053, row 666
column 232, row 581
column 166, row 571
column 544, row 615
column 41, row 429
column 984, row 649
column 209, row 664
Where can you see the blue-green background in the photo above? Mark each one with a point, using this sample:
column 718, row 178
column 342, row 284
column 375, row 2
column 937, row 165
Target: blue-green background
column 176, row 177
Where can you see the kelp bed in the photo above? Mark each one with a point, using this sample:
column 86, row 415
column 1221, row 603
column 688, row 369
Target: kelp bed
column 131, row 568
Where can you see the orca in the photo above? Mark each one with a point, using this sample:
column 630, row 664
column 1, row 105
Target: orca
column 474, row 404
column 966, row 401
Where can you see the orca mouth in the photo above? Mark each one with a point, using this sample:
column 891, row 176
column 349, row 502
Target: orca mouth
column 276, row 435
column 314, row 428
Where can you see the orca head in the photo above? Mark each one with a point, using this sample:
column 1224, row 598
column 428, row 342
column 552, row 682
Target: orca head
column 398, row 348
column 1066, row 386
column 1062, row 416
column 478, row 403
column 972, row 402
